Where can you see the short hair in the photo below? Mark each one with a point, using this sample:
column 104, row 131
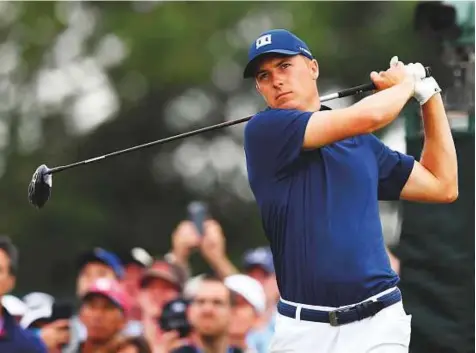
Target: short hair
column 214, row 278
column 12, row 252
column 139, row 342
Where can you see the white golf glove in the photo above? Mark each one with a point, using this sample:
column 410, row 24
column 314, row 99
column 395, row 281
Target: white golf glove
column 425, row 87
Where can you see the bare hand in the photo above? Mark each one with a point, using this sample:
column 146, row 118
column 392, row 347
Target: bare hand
column 212, row 246
column 184, row 239
column 148, row 306
column 395, row 75
column 55, row 334
column 167, row 342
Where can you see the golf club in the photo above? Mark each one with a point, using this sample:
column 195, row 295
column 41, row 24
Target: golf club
column 39, row 189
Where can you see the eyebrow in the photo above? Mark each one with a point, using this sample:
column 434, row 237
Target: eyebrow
column 275, row 65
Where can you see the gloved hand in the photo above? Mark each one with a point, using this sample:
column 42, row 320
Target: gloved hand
column 425, row 87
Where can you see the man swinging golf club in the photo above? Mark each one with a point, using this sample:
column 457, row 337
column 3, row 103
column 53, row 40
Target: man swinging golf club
column 317, row 175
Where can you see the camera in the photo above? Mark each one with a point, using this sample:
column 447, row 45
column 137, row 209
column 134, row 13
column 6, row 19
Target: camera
column 174, row 317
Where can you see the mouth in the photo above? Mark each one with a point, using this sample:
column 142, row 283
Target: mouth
column 282, row 95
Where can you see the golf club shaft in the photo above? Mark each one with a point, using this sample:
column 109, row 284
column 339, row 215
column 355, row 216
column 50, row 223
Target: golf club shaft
column 344, row 93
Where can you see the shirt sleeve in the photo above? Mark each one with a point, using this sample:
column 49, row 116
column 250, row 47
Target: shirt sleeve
column 394, row 169
column 273, row 140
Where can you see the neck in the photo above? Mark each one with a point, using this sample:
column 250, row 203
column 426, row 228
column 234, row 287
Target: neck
column 93, row 347
column 214, row 344
column 315, row 104
column 238, row 341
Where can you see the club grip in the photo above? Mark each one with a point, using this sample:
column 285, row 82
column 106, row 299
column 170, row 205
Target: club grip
column 366, row 87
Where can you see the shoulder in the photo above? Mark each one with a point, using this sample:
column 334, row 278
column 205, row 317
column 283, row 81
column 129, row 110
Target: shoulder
column 274, row 118
column 270, row 113
column 30, row 340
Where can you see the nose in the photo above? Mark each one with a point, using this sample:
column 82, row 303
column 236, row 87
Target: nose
column 277, row 81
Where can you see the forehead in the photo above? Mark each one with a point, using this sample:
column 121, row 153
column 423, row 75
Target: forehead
column 96, row 266
column 98, row 299
column 209, row 289
column 268, row 61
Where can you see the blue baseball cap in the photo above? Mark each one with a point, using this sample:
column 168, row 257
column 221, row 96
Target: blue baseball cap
column 261, row 257
column 279, row 41
column 106, row 257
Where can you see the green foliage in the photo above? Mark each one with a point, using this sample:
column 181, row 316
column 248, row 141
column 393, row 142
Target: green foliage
column 168, row 48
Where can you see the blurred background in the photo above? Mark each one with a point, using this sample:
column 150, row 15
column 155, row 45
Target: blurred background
column 81, row 79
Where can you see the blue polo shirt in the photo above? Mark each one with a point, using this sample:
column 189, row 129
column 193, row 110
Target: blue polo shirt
column 14, row 339
column 319, row 208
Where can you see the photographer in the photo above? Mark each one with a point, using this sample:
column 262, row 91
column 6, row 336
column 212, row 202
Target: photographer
column 160, row 283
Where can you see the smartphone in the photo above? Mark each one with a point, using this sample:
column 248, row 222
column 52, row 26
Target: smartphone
column 197, row 213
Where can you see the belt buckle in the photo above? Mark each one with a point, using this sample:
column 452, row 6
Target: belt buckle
column 333, row 319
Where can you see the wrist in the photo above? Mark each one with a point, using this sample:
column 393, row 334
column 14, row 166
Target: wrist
column 179, row 256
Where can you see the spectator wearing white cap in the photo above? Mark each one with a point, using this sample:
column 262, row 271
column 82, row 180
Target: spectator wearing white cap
column 249, row 305
column 14, row 305
column 48, row 319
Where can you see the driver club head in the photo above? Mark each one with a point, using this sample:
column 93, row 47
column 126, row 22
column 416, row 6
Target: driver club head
column 39, row 190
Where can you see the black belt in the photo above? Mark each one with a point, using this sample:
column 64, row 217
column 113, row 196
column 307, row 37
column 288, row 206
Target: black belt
column 345, row 315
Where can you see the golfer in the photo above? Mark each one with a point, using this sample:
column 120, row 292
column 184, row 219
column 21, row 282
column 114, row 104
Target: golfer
column 317, row 175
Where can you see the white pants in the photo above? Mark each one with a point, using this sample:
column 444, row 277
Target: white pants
column 386, row 332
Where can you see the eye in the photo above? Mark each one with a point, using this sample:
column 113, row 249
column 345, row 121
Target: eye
column 285, row 65
column 262, row 76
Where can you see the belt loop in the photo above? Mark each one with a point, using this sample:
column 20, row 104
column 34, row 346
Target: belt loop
column 298, row 312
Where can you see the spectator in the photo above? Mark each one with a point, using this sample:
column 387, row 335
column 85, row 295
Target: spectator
column 41, row 318
column 135, row 261
column 249, row 305
column 92, row 265
column 134, row 345
column 210, row 316
column 15, row 306
column 98, row 263
column 161, row 283
column 103, row 312
column 258, row 264
column 13, row 339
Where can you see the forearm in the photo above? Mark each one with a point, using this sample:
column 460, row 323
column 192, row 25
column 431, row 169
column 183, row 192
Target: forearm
column 386, row 105
column 439, row 152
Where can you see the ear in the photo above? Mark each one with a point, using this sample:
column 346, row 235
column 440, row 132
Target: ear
column 257, row 87
column 314, row 69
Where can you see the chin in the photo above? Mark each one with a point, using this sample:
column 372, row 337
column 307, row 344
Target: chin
column 287, row 105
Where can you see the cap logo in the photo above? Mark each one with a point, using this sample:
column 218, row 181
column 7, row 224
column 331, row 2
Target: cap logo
column 263, row 40
column 103, row 284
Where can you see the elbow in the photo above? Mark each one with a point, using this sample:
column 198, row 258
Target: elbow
column 450, row 194
column 451, row 197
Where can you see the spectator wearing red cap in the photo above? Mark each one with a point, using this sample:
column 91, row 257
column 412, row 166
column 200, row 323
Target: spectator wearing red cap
column 103, row 312
column 135, row 262
column 92, row 265
column 160, row 283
